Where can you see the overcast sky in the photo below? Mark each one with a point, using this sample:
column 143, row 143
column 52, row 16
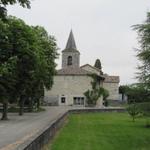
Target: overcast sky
column 102, row 29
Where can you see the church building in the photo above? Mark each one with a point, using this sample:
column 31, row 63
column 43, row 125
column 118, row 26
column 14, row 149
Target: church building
column 73, row 80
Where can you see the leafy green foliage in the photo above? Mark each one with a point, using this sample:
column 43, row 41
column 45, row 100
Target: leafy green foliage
column 145, row 109
column 141, row 92
column 144, row 51
column 98, row 64
column 93, row 95
column 137, row 93
column 4, row 3
column 123, row 89
column 133, row 111
column 27, row 62
column 105, row 95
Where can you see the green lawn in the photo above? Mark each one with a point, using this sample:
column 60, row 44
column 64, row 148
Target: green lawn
column 102, row 131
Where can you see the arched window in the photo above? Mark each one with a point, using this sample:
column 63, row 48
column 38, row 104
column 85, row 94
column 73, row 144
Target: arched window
column 69, row 62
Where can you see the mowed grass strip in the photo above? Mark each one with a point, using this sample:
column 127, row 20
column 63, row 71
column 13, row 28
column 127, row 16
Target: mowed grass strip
column 102, row 131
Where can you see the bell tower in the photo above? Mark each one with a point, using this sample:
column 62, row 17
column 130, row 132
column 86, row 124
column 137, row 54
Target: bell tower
column 70, row 55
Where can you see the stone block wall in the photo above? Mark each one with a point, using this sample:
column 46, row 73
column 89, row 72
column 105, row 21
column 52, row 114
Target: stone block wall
column 113, row 90
column 69, row 87
column 75, row 59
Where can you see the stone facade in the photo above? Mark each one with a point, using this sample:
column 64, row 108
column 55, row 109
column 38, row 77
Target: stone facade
column 69, row 87
column 111, row 83
column 75, row 59
column 72, row 81
column 113, row 90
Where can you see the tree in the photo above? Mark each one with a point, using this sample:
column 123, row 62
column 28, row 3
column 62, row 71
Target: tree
column 4, row 3
column 34, row 52
column 133, row 110
column 137, row 93
column 45, row 70
column 142, row 91
column 98, row 65
column 40, row 66
column 143, row 53
column 7, row 69
column 7, row 82
column 123, row 89
column 145, row 109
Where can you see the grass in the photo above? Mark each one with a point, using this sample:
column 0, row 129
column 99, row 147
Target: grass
column 102, row 131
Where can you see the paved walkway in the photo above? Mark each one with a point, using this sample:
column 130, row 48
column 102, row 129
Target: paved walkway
column 19, row 128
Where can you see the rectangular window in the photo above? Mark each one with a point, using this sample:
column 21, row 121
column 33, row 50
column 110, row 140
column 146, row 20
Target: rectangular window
column 63, row 100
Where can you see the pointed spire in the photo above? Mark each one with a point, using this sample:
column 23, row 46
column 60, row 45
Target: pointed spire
column 71, row 42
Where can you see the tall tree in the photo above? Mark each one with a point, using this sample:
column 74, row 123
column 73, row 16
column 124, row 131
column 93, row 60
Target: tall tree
column 32, row 52
column 144, row 51
column 98, row 64
column 7, row 82
column 123, row 89
column 7, row 68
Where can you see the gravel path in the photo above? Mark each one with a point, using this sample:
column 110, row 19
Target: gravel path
column 19, row 128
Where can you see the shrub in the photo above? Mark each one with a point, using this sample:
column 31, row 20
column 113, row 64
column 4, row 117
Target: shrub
column 133, row 111
column 145, row 109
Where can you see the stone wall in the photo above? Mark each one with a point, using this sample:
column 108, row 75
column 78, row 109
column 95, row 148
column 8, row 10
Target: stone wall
column 113, row 90
column 69, row 87
column 75, row 59
column 45, row 136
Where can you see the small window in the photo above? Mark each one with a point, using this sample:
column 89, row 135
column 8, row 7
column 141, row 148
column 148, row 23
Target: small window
column 63, row 100
column 69, row 63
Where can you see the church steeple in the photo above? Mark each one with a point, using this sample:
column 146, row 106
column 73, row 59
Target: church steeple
column 71, row 42
column 70, row 55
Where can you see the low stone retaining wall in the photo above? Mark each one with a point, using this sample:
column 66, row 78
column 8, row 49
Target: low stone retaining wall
column 38, row 141
column 42, row 138
column 91, row 110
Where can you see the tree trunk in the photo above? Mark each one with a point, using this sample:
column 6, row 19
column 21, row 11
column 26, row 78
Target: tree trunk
column 133, row 119
column 21, row 104
column 5, row 110
column 30, row 105
column 38, row 103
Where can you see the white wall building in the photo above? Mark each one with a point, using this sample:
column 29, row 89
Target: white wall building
column 72, row 81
